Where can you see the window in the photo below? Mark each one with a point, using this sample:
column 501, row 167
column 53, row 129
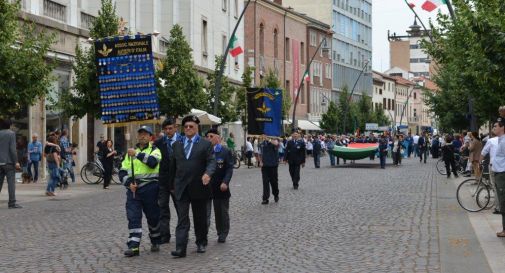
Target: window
column 384, row 103
column 288, row 88
column 262, row 40
column 380, row 91
column 415, row 95
column 287, row 47
column 235, row 12
column 276, row 44
column 224, row 43
column 224, row 4
column 55, row 10
column 313, row 38
column 204, row 37
column 414, row 46
column 163, row 46
column 302, row 52
column 327, row 68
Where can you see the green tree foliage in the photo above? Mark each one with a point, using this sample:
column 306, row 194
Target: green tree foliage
column 242, row 94
column 271, row 81
column 25, row 76
column 227, row 107
column 85, row 97
column 180, row 88
column 330, row 120
column 470, row 53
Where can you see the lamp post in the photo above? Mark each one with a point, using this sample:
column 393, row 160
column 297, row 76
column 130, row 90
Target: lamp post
column 293, row 121
column 365, row 65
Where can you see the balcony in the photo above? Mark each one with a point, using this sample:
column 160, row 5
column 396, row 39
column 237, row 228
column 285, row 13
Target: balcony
column 55, row 10
column 86, row 20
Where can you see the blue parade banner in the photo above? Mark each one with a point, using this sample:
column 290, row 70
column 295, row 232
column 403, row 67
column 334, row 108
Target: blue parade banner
column 264, row 111
column 126, row 79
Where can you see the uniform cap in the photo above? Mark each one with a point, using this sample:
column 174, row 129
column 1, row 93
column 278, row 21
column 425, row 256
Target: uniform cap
column 145, row 128
column 190, row 118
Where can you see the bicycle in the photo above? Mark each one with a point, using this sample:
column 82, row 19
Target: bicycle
column 94, row 172
column 476, row 194
column 236, row 158
column 460, row 164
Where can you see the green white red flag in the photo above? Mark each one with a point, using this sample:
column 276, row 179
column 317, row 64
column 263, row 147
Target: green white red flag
column 235, row 49
column 430, row 5
column 306, row 77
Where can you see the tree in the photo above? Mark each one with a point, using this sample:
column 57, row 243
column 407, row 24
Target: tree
column 25, row 76
column 364, row 113
column 85, row 97
column 179, row 87
column 227, row 108
column 470, row 54
column 242, row 95
column 330, row 120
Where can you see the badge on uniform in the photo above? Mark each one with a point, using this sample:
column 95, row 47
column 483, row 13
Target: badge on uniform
column 220, row 163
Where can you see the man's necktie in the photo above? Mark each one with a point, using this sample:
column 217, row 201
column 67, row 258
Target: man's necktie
column 186, row 148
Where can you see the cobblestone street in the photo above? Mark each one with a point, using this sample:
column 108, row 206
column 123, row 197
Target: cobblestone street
column 340, row 220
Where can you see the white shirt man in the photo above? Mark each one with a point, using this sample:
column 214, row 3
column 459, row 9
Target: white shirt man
column 416, row 139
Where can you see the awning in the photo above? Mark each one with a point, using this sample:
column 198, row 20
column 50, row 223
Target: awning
column 204, row 117
column 307, row 125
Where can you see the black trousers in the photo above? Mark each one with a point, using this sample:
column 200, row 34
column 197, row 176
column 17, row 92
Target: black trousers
column 450, row 164
column 222, row 215
column 199, row 208
column 164, row 203
column 294, row 171
column 107, row 167
column 270, row 178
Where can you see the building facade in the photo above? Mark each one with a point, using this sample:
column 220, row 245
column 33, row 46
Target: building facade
column 351, row 22
column 384, row 95
column 277, row 39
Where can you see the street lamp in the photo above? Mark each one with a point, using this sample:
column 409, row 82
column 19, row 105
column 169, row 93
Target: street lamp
column 365, row 65
column 324, row 49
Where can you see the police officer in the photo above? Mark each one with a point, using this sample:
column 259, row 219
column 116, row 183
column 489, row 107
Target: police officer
column 165, row 144
column 269, row 163
column 139, row 173
column 220, row 185
column 295, row 156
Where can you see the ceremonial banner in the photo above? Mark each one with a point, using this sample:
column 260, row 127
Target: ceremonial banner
column 264, row 111
column 126, row 79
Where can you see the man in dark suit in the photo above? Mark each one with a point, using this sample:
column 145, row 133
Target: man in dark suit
column 165, row 144
column 295, row 156
column 192, row 164
column 269, row 163
column 317, row 152
column 220, row 184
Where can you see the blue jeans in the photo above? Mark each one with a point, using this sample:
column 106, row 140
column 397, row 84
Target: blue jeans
column 54, row 177
column 416, row 150
column 35, row 169
column 383, row 161
column 317, row 159
column 67, row 165
column 332, row 159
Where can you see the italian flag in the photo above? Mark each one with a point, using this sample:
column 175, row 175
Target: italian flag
column 235, row 49
column 306, row 77
column 431, row 5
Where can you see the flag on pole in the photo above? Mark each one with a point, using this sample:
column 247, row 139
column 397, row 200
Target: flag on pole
column 412, row 5
column 430, row 5
column 306, row 77
column 235, row 49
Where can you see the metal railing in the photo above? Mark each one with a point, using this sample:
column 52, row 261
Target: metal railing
column 55, row 10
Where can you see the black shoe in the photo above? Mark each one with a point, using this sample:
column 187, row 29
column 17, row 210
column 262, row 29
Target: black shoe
column 496, row 211
column 467, row 175
column 15, row 206
column 264, row 202
column 200, row 249
column 295, row 187
column 165, row 240
column 456, row 176
column 276, row 199
column 449, row 176
column 221, row 240
column 179, row 253
column 155, row 248
column 132, row 252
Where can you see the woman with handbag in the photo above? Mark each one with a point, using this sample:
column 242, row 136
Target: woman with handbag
column 108, row 162
column 53, row 163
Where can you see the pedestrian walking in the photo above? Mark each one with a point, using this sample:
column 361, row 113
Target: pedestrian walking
column 316, row 152
column 331, row 145
column 383, row 151
column 269, row 163
column 423, row 146
column 53, row 161
column 475, row 149
column 415, row 143
column 489, row 151
column 139, row 174
column 448, row 157
column 249, row 152
column 108, row 162
column 34, row 157
column 66, row 154
column 8, row 161
column 165, row 144
column 192, row 164
column 220, row 185
column 309, row 146
column 498, row 168
column 295, row 157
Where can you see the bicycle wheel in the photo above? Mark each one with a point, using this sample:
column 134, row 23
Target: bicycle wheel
column 90, row 173
column 237, row 162
column 483, row 197
column 115, row 176
column 441, row 167
column 466, row 195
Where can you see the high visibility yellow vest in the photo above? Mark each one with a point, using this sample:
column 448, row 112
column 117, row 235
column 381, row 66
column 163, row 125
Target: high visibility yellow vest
column 141, row 171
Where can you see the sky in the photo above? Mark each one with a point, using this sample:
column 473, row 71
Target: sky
column 393, row 15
